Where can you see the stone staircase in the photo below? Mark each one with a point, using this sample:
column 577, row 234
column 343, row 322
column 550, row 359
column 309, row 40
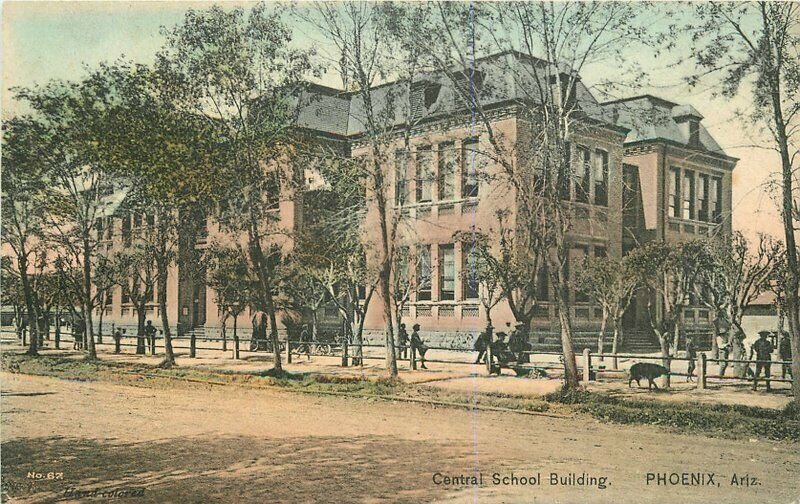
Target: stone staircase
column 640, row 342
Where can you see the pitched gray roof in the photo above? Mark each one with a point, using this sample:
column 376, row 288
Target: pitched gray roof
column 651, row 118
column 504, row 77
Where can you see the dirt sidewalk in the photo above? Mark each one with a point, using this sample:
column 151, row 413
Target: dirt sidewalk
column 226, row 444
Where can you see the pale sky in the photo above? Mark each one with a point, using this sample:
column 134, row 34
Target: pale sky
column 46, row 40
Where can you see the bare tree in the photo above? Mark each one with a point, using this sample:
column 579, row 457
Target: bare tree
column 733, row 275
column 228, row 277
column 367, row 55
column 612, row 283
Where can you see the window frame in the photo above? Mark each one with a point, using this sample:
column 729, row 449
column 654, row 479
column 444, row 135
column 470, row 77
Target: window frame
column 424, row 284
column 424, row 176
column 445, row 250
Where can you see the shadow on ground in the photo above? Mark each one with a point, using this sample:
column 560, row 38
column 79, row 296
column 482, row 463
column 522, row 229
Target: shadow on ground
column 234, row 469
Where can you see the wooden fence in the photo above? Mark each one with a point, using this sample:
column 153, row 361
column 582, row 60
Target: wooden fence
column 590, row 366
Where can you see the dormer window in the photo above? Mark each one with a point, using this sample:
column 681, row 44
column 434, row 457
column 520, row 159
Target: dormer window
column 688, row 120
column 431, row 95
column 694, row 132
column 424, row 95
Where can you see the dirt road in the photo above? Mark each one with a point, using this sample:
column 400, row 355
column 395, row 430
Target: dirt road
column 227, row 444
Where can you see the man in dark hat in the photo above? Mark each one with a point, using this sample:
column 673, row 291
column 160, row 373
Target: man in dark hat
column 691, row 354
column 150, row 336
column 723, row 345
column 785, row 354
column 417, row 346
column 118, row 339
column 763, row 349
column 483, row 342
column 402, row 341
column 500, row 349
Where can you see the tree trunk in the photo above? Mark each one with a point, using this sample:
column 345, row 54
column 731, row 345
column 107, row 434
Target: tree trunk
column 140, row 321
column 676, row 340
column 264, row 279
column 100, row 321
column 315, row 325
column 276, row 344
column 169, row 354
column 58, row 329
column 385, row 275
column 224, row 331
column 87, row 298
column 22, row 262
column 617, row 338
column 601, row 337
column 391, row 357
column 235, row 338
column 568, row 352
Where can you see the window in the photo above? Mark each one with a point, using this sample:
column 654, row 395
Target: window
column 424, row 273
column 601, row 178
column 431, row 94
column 109, row 296
column 126, row 230
column 400, row 174
column 137, row 220
column 688, row 195
column 694, row 133
column 424, row 175
column 564, row 174
column 98, row 225
column 580, row 257
column 702, row 198
column 630, row 188
column 471, row 166
column 272, row 190
column 423, row 96
column 543, row 284
column 151, row 220
column 447, row 171
column 470, row 273
column 401, row 270
column 126, row 298
column 674, row 192
column 583, row 175
column 447, row 273
column 716, row 199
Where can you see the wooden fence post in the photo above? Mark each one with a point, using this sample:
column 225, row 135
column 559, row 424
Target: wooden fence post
column 701, row 371
column 587, row 364
column 192, row 345
column 344, row 352
column 413, row 357
column 236, row 347
column 288, row 349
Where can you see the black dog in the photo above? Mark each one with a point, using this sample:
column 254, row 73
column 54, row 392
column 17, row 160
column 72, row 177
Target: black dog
column 646, row 370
